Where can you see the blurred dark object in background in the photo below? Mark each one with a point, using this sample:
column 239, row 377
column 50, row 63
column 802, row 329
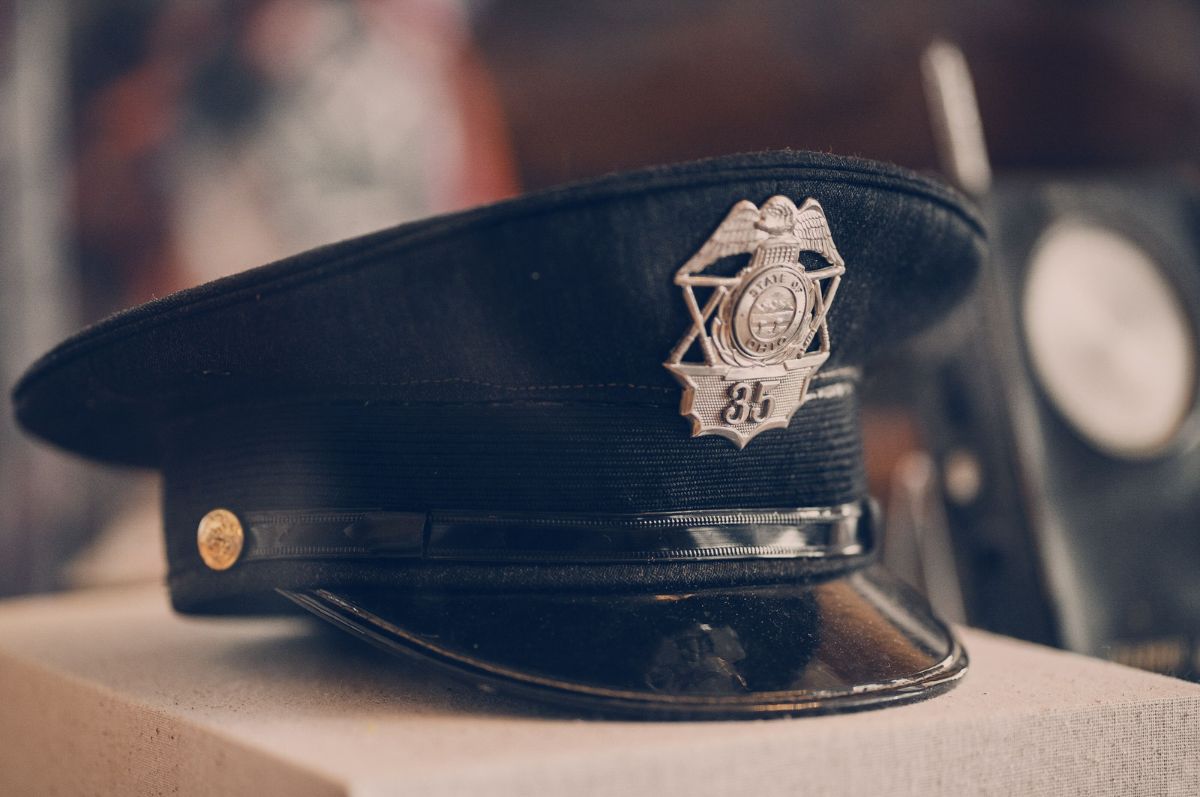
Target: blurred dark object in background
column 1062, row 409
column 1062, row 406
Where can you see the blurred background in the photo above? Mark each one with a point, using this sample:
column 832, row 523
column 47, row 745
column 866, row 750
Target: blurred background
column 150, row 145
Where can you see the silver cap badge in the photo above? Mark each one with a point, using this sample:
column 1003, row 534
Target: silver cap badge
column 768, row 334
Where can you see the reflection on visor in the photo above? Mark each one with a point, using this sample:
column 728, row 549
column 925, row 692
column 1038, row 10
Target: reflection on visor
column 838, row 643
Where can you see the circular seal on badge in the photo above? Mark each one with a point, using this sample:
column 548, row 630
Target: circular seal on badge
column 769, row 312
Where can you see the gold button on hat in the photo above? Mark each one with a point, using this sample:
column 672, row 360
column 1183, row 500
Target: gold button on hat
column 220, row 538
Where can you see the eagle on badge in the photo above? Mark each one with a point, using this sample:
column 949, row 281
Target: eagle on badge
column 763, row 332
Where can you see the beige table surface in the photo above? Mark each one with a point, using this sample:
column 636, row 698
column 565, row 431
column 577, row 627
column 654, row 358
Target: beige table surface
column 108, row 692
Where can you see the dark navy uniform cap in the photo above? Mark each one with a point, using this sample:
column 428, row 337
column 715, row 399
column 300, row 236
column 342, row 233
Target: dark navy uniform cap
column 597, row 445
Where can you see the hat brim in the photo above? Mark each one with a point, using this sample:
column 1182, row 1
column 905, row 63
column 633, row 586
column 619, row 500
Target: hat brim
column 830, row 644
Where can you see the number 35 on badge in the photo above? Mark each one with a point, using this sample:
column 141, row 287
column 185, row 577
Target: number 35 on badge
column 762, row 332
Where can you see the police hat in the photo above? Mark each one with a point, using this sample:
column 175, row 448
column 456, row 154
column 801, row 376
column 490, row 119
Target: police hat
column 597, row 445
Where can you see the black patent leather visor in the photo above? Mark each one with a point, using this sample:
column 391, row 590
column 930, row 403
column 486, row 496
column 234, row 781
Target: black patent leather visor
column 836, row 643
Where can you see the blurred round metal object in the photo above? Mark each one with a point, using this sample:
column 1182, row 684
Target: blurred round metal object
column 962, row 475
column 1109, row 339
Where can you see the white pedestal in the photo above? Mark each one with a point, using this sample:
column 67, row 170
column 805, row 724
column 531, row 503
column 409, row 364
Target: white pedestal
column 108, row 692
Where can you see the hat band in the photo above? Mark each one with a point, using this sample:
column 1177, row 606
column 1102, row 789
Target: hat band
column 484, row 537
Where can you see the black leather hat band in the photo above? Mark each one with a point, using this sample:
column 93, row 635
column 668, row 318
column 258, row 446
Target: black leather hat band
column 482, row 537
